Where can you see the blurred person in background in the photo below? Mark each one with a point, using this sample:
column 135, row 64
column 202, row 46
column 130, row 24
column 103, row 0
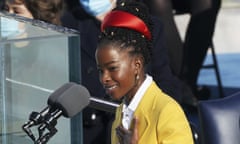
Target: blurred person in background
column 49, row 11
column 187, row 56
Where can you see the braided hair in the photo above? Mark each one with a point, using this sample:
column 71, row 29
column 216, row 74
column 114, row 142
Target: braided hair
column 126, row 37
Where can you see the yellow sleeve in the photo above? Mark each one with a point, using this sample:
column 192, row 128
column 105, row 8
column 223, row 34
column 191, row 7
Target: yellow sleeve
column 173, row 126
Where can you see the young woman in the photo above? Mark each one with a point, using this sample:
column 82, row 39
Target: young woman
column 146, row 114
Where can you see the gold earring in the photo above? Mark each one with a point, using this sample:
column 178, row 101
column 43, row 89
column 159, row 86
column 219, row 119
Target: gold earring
column 137, row 77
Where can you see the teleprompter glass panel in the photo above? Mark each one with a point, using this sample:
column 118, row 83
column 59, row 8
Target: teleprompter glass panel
column 34, row 62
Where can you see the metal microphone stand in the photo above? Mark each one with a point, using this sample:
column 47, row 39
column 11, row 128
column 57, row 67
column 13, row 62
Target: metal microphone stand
column 46, row 125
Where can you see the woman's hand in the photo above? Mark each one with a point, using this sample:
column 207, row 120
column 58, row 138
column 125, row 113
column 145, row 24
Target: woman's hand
column 128, row 136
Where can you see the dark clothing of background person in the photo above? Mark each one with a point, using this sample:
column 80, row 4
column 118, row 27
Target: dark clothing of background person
column 2, row 3
column 186, row 57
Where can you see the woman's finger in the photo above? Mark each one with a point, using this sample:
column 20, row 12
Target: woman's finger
column 135, row 137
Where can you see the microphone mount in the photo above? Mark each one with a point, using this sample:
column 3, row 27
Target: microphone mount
column 46, row 123
column 68, row 100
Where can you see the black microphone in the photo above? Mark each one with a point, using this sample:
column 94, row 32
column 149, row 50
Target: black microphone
column 54, row 96
column 36, row 118
column 68, row 104
column 72, row 101
column 103, row 105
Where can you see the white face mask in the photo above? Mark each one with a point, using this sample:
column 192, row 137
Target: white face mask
column 9, row 27
column 96, row 7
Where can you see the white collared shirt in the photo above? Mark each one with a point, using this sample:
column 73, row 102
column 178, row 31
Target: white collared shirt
column 129, row 110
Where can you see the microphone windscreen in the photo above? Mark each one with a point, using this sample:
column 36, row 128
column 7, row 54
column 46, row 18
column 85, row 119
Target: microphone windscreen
column 73, row 100
column 54, row 96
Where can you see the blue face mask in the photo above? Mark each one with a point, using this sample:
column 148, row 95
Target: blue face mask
column 95, row 7
column 9, row 27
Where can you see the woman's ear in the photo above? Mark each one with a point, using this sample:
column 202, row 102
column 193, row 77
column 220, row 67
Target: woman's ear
column 138, row 64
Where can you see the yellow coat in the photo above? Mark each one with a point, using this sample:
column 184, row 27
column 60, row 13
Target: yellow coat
column 161, row 120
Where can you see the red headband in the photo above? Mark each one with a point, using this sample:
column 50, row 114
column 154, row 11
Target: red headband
column 123, row 19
